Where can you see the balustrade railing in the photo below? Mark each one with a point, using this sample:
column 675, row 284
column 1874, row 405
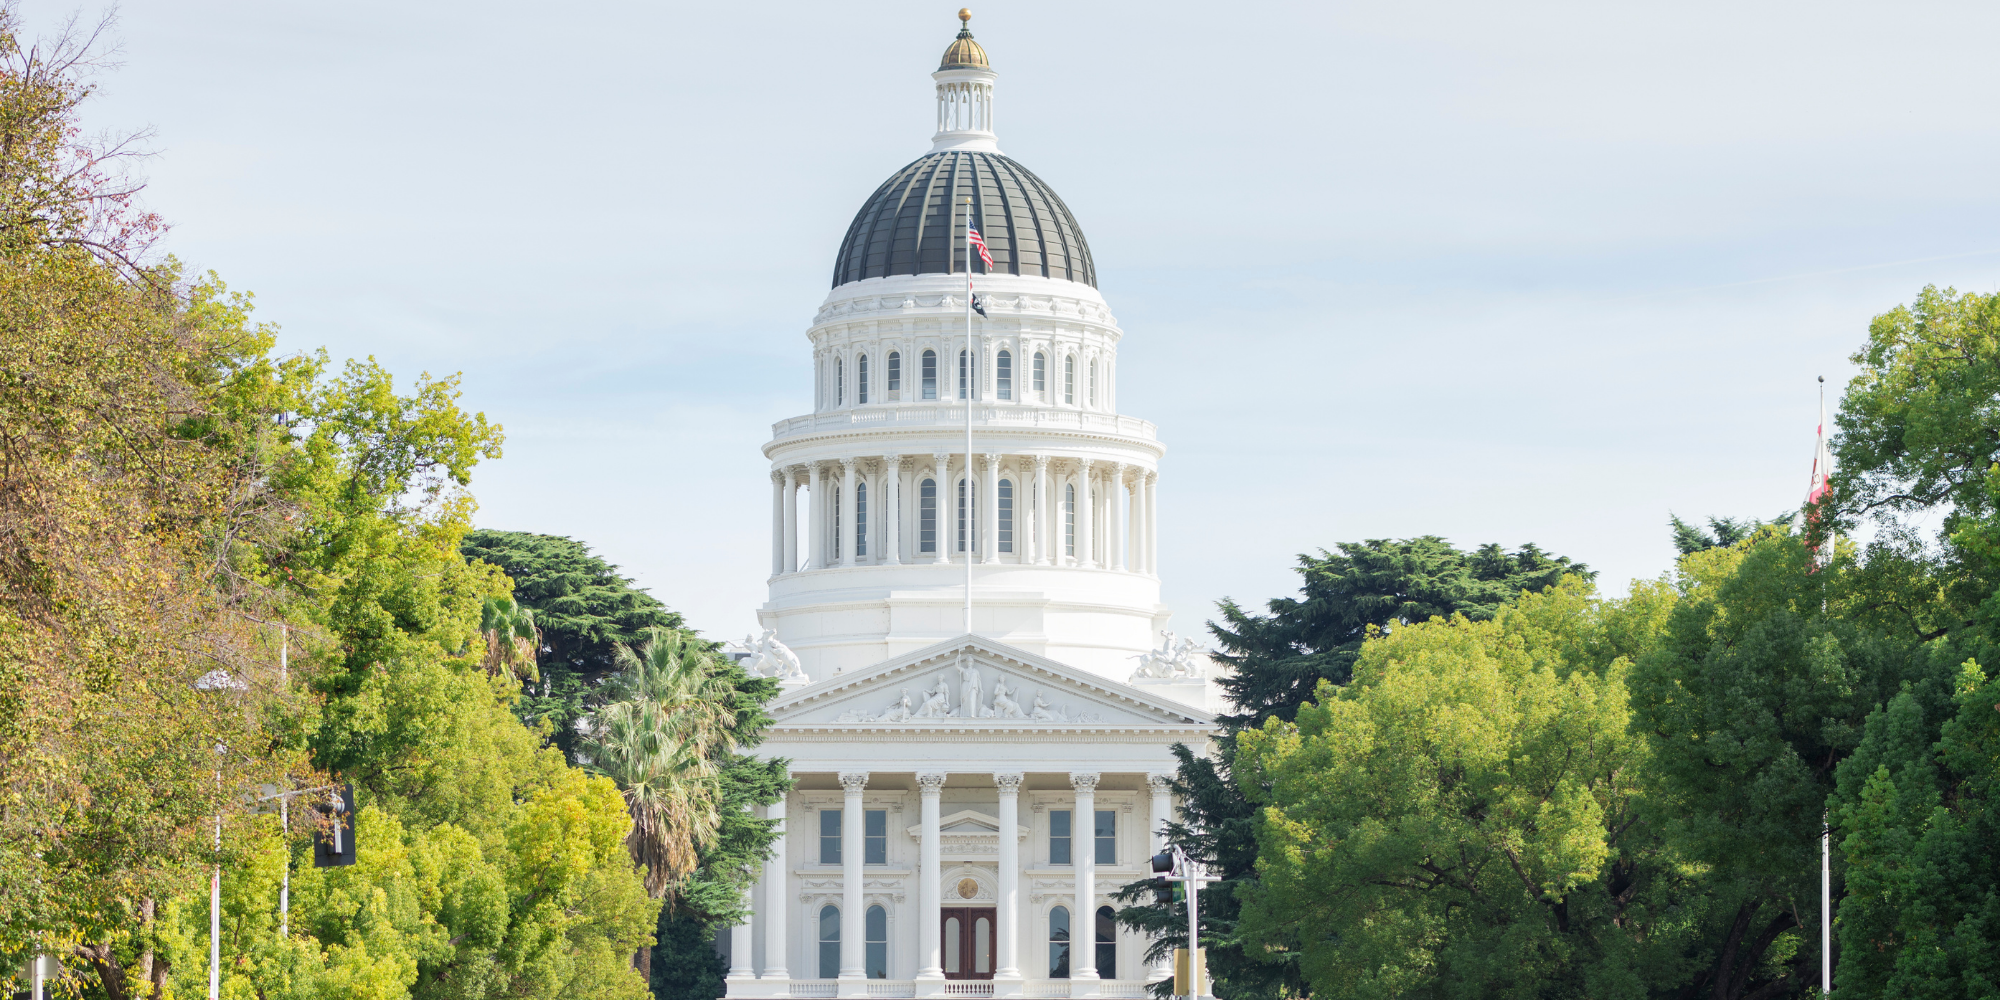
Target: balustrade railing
column 984, row 415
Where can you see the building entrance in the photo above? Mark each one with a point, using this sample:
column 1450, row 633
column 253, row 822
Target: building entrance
column 968, row 942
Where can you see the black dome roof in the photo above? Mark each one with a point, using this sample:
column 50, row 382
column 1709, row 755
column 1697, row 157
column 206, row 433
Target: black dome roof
column 912, row 224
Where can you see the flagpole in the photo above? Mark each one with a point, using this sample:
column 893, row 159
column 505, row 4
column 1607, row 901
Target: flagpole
column 1825, row 828
column 971, row 505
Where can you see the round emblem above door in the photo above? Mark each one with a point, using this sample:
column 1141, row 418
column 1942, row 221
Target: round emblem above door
column 967, row 888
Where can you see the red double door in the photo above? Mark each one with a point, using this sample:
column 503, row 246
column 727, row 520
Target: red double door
column 968, row 942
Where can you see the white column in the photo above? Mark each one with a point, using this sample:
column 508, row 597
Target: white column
column 1114, row 539
column 739, row 944
column 777, row 522
column 1086, row 512
column 1006, row 963
column 891, row 512
column 1083, row 857
column 777, row 940
column 947, row 511
column 848, row 532
column 930, row 891
column 815, row 519
column 791, row 521
column 853, row 838
column 989, row 511
column 1042, row 520
column 1153, row 523
column 1163, row 813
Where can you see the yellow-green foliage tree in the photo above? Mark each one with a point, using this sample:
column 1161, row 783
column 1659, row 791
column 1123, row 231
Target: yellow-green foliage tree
column 1463, row 818
column 173, row 501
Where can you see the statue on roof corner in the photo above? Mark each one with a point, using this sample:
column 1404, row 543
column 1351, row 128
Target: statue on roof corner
column 765, row 656
column 1174, row 660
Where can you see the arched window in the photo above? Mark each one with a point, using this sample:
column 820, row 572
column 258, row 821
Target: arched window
column 1041, row 375
column 1069, row 520
column 878, row 943
column 963, row 375
column 930, row 374
column 927, row 516
column 1107, row 943
column 839, row 382
column 829, row 942
column 1058, row 944
column 895, row 374
column 963, row 524
column 1006, row 525
column 1003, row 372
column 1069, row 380
column 861, row 379
column 861, row 517
column 1091, row 394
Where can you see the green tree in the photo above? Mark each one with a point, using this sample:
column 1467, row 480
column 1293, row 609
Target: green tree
column 584, row 609
column 1277, row 660
column 1463, row 819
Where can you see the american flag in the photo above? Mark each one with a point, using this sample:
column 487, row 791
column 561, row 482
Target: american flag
column 972, row 237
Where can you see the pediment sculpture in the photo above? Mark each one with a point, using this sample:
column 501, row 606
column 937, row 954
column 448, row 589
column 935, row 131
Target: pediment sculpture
column 973, row 702
column 1174, row 660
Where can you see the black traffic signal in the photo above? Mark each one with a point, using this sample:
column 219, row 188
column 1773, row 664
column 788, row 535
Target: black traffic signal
column 333, row 842
column 1163, row 862
column 1163, row 890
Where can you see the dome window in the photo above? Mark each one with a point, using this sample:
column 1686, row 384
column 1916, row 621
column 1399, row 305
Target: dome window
column 861, row 379
column 861, row 517
column 968, row 516
column 964, row 376
column 1003, row 370
column 895, row 375
column 1069, row 520
column 930, row 375
column 1090, row 388
column 927, row 515
column 1069, row 380
column 1041, row 376
column 1006, row 525
column 840, row 382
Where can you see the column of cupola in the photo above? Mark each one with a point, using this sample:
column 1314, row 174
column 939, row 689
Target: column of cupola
column 1071, row 512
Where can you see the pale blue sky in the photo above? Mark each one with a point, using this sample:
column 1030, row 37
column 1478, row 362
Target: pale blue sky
column 1501, row 272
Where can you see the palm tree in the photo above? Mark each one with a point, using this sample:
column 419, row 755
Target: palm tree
column 673, row 719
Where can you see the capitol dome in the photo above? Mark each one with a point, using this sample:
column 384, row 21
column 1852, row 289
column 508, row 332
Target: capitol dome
column 908, row 225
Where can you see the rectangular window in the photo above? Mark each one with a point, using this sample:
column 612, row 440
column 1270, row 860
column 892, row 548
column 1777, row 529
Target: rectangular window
column 1107, row 836
column 860, row 518
column 1006, row 525
column 861, row 379
column 1041, row 373
column 930, row 374
column 964, row 358
column 1069, row 380
column 1059, row 837
column 1092, row 387
column 927, row 516
column 876, row 851
column 895, row 373
column 829, row 836
column 833, row 514
column 1003, row 371
column 839, row 382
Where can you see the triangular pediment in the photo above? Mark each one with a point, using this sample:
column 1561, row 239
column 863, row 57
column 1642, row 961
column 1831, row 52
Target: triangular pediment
column 1008, row 689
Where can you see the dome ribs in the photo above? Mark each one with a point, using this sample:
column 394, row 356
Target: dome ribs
column 910, row 224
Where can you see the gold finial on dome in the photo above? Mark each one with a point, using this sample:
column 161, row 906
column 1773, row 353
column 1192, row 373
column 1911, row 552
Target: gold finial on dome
column 964, row 53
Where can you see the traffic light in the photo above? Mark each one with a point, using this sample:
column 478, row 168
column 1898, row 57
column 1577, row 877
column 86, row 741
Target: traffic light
column 1163, row 862
column 333, row 844
column 1163, row 890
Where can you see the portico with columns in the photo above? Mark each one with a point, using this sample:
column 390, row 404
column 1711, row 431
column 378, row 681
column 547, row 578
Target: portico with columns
column 965, row 562
column 965, row 842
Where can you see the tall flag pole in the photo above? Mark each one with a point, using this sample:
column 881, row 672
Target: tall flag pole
column 967, row 497
column 1821, row 556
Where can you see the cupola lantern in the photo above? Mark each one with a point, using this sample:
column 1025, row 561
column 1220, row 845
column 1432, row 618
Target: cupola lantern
column 964, row 95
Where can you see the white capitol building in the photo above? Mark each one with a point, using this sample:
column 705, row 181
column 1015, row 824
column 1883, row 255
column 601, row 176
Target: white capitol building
column 968, row 792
